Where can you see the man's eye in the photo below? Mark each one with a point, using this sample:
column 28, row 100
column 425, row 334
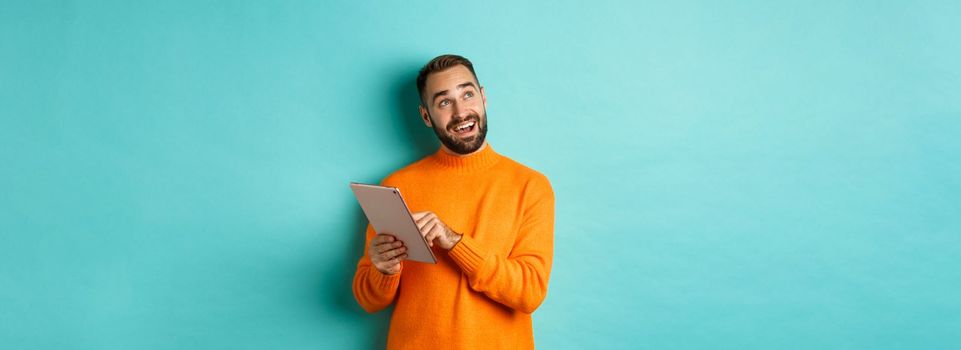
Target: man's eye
column 444, row 102
column 469, row 94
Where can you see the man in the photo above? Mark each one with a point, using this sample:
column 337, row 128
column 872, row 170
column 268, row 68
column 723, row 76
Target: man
column 488, row 219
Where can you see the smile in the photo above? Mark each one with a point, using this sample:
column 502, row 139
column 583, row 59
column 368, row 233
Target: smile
column 465, row 128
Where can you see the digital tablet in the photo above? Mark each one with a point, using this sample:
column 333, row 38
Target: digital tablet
column 388, row 214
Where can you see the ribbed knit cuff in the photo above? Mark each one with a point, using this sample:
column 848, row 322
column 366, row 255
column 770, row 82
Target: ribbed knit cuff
column 381, row 281
column 468, row 255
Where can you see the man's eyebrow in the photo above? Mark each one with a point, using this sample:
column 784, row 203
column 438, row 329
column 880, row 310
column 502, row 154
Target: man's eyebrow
column 459, row 86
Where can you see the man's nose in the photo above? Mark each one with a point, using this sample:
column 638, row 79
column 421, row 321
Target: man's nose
column 456, row 109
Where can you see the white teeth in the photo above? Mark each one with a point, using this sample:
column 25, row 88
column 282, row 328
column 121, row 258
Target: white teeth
column 464, row 127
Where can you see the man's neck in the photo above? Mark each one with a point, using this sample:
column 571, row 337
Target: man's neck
column 448, row 151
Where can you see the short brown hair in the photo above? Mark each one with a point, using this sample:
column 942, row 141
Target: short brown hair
column 440, row 63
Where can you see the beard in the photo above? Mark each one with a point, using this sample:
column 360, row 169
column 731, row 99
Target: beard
column 463, row 145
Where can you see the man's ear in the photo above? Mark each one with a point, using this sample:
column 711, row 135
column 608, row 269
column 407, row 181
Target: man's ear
column 483, row 96
column 425, row 116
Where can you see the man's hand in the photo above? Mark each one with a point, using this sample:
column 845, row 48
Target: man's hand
column 386, row 253
column 432, row 229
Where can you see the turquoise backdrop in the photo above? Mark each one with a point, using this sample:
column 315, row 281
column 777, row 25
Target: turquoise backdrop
column 728, row 174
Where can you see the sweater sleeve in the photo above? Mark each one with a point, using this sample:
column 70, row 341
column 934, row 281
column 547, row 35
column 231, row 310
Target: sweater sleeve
column 518, row 280
column 373, row 289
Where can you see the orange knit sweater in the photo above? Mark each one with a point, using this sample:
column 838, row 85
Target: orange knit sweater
column 481, row 293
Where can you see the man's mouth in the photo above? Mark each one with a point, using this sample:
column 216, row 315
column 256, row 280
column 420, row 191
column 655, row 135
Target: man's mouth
column 465, row 128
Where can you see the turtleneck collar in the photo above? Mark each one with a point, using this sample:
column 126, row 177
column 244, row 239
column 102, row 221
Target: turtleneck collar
column 482, row 159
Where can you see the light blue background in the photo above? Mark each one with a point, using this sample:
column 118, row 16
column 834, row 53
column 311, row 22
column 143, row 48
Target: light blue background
column 739, row 174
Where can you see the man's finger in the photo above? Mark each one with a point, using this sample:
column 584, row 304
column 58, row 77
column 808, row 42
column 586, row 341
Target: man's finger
column 432, row 233
column 424, row 219
column 389, row 246
column 419, row 215
column 424, row 230
column 380, row 239
column 396, row 260
column 385, row 257
column 419, row 223
column 388, row 240
column 390, row 254
column 430, row 241
column 437, row 231
column 421, row 226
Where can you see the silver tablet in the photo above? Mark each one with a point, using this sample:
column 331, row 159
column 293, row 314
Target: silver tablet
column 388, row 214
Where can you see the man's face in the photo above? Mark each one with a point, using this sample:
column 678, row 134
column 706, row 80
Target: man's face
column 456, row 109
